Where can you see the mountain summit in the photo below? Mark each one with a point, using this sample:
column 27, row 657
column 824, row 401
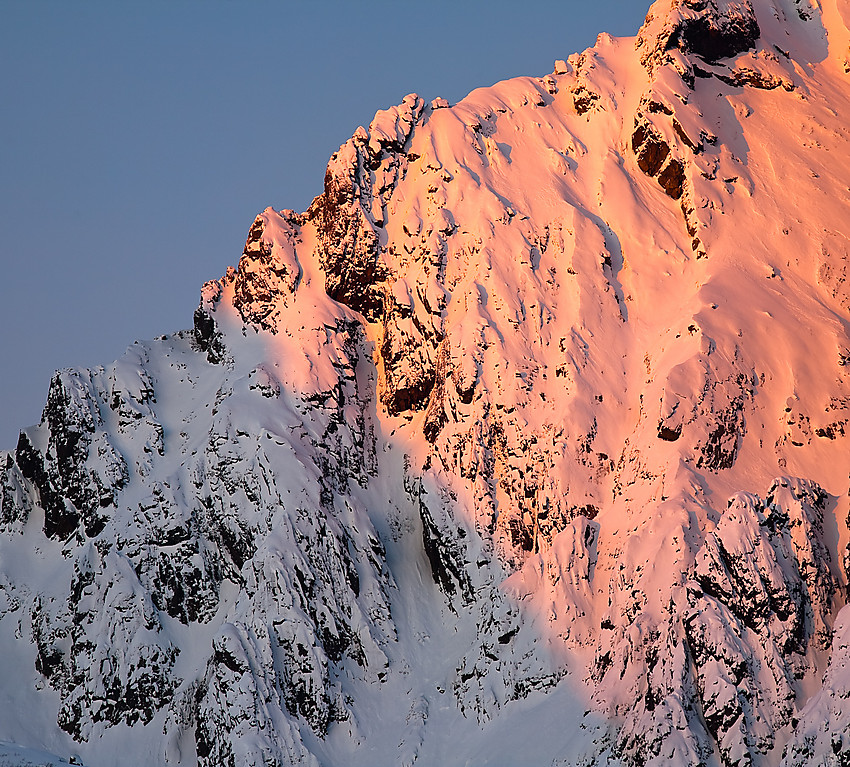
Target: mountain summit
column 526, row 444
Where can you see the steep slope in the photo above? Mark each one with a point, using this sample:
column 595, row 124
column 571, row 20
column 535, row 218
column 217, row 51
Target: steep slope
column 526, row 443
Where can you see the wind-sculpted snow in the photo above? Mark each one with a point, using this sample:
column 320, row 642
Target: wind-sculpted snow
column 821, row 733
column 525, row 444
column 721, row 669
column 219, row 591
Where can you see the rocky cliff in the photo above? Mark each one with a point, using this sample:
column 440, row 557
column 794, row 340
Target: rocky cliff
column 525, row 443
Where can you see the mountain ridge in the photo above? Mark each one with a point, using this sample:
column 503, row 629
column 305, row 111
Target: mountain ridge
column 535, row 413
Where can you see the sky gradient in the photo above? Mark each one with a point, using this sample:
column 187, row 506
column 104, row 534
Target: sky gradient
column 139, row 142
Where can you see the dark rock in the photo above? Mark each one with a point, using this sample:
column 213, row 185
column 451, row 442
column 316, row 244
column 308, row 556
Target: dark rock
column 519, row 534
column 268, row 272
column 349, row 244
column 584, row 99
column 59, row 520
column 716, row 32
column 672, row 179
column 710, row 29
column 445, row 553
column 721, row 447
column 409, row 369
column 650, row 149
column 208, row 336
column 435, row 415
column 668, row 434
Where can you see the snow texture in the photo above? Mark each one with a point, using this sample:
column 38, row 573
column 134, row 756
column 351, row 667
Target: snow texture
column 524, row 444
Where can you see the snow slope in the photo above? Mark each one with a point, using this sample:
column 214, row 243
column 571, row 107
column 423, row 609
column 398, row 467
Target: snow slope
column 525, row 444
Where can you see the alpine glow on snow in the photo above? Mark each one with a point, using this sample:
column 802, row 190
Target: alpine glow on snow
column 525, row 444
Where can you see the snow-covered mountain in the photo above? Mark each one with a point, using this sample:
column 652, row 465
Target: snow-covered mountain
column 526, row 444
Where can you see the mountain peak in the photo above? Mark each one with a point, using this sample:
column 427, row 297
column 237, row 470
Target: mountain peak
column 709, row 29
column 534, row 421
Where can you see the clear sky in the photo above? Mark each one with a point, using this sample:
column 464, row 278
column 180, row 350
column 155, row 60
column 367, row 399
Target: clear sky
column 139, row 140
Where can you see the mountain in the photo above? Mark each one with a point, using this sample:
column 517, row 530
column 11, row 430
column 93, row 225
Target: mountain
column 526, row 444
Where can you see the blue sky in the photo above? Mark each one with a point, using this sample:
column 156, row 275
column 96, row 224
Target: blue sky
column 140, row 140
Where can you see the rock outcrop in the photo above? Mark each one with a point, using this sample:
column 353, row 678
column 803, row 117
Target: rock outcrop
column 533, row 422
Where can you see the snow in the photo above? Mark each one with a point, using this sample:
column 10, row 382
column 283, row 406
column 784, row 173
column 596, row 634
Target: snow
column 12, row 755
column 576, row 494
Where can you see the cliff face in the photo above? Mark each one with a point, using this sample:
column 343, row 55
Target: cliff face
column 534, row 423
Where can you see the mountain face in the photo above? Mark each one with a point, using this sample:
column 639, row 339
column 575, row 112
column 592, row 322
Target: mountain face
column 525, row 444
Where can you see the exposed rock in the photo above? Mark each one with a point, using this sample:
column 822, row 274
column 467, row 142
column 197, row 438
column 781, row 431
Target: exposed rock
column 359, row 181
column 104, row 649
column 208, row 337
column 461, row 436
column 268, row 271
column 79, row 472
column 758, row 594
column 650, row 150
column 672, row 179
column 821, row 732
column 710, row 29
